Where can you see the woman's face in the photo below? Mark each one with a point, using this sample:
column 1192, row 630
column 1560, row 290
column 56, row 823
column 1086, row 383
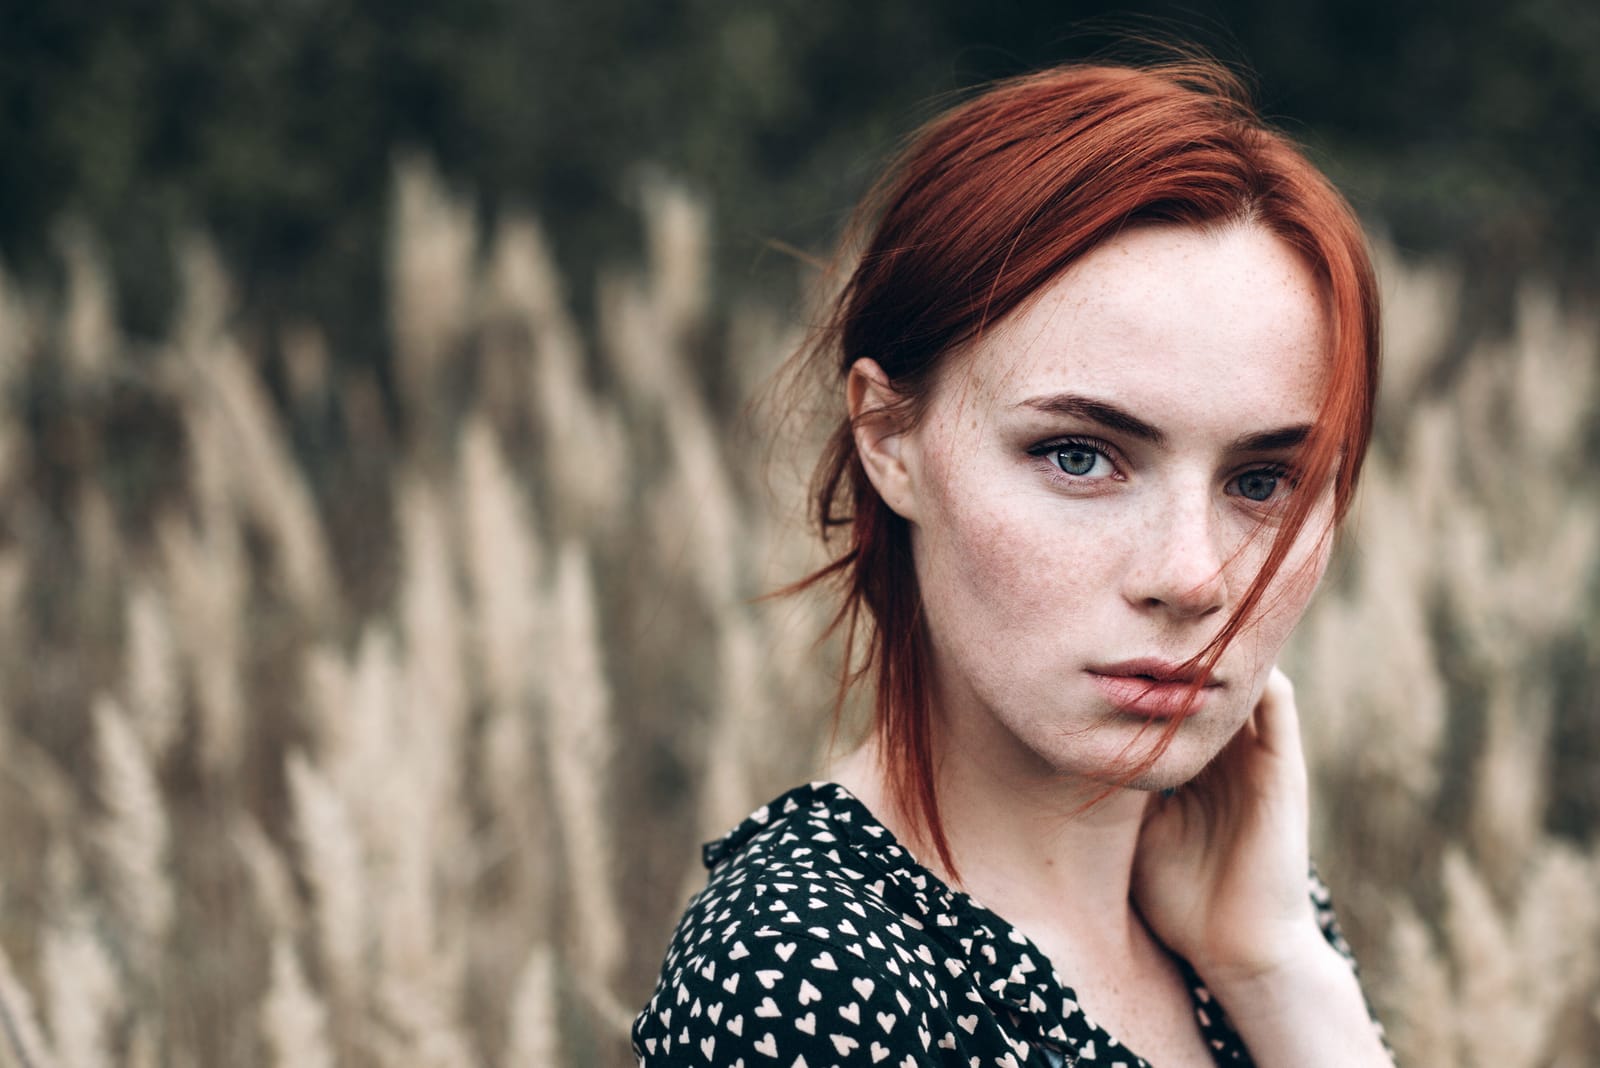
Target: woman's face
column 1091, row 490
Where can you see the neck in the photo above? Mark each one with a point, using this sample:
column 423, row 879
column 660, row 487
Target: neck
column 1027, row 844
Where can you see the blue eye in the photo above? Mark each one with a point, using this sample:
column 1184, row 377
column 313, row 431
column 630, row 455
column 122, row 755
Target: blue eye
column 1260, row 485
column 1080, row 459
column 1075, row 459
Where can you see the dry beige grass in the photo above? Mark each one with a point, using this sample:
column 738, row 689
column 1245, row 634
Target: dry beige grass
column 294, row 1022
column 408, row 769
column 21, row 1037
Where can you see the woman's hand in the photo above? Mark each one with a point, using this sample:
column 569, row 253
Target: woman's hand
column 1220, row 871
column 1220, row 877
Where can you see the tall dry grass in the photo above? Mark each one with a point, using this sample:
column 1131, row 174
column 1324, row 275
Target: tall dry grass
column 345, row 723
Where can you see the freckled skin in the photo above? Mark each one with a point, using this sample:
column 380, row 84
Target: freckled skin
column 1030, row 577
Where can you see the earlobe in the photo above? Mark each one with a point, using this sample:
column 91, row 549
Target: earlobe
column 877, row 420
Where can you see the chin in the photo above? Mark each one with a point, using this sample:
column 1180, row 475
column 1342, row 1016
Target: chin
column 1162, row 778
column 1183, row 760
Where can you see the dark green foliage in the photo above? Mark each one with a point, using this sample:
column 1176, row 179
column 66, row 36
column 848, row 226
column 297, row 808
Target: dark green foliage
column 1472, row 127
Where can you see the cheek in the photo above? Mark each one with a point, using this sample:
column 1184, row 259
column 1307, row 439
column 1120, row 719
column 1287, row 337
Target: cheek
column 971, row 560
column 1290, row 593
column 990, row 600
column 1004, row 559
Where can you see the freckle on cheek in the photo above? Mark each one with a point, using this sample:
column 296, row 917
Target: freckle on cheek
column 990, row 549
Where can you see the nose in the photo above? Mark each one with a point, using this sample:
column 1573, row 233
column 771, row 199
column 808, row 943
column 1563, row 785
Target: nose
column 1178, row 568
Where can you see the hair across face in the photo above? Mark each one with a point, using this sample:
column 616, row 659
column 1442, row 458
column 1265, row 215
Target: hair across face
column 985, row 211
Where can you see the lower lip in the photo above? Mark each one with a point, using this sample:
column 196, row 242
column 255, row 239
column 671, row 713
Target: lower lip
column 1140, row 696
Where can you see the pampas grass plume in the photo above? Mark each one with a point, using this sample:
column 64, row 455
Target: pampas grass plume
column 1495, row 1025
column 82, row 988
column 133, row 840
column 269, row 876
column 89, row 323
column 20, row 1034
column 204, row 576
column 244, row 427
column 151, row 672
column 1420, row 1005
column 503, row 562
column 435, row 687
column 294, row 1022
column 580, row 732
column 432, row 241
column 535, row 1027
column 678, row 236
column 582, row 439
column 332, row 862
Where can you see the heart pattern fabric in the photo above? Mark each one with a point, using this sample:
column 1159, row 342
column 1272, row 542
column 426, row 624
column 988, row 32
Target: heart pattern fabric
column 820, row 942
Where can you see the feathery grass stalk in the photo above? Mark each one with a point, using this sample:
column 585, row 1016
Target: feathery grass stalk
column 431, row 273
column 1496, row 1027
column 429, row 611
column 13, row 1035
column 83, row 997
column 90, row 320
column 236, row 419
column 578, row 725
column 133, row 839
column 362, row 734
column 581, row 437
column 18, row 1024
column 726, row 791
column 294, row 1022
column 434, row 705
column 678, row 249
column 204, row 576
column 695, row 511
column 535, row 1027
column 421, row 1026
column 503, row 563
column 150, row 672
column 331, row 859
column 1417, row 999
column 269, row 877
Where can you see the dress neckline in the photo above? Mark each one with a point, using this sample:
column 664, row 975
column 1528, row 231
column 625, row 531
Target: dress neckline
column 1006, row 962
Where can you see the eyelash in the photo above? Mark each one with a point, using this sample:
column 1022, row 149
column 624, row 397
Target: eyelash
column 1285, row 475
column 1047, row 449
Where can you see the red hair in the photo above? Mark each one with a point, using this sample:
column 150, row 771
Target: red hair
column 987, row 205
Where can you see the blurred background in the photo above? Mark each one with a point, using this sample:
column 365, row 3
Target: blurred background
column 385, row 489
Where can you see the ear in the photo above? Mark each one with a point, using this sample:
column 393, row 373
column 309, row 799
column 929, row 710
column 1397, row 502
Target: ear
column 881, row 440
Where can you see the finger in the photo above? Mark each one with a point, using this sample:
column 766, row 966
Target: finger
column 1277, row 720
column 1227, row 766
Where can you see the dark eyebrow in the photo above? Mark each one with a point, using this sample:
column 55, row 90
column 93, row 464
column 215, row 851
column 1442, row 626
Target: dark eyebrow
column 1115, row 418
column 1288, row 437
column 1107, row 415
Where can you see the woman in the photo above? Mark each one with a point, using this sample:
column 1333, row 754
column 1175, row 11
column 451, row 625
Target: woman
column 1109, row 356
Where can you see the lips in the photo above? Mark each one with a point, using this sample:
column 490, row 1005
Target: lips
column 1157, row 689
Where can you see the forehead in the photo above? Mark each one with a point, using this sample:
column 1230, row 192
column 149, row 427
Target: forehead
column 1220, row 327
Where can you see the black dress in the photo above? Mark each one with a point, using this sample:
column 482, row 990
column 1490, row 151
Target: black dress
column 820, row 941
